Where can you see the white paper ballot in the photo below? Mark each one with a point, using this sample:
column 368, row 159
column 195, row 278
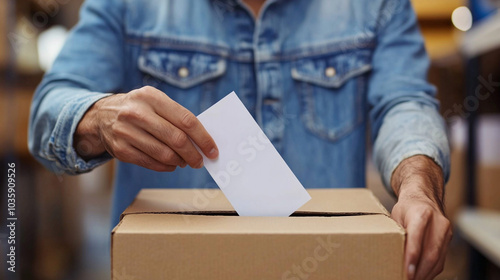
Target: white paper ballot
column 249, row 170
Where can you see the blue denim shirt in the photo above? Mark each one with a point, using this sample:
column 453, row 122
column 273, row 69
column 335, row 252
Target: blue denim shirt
column 317, row 76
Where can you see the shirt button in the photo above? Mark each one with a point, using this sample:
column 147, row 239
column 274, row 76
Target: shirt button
column 330, row 72
column 183, row 72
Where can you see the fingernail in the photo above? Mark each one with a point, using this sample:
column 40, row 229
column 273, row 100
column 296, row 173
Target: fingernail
column 411, row 271
column 200, row 165
column 213, row 153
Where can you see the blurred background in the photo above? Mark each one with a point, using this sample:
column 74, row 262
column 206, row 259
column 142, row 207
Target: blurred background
column 64, row 230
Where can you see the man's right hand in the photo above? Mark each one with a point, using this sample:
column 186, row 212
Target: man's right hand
column 144, row 127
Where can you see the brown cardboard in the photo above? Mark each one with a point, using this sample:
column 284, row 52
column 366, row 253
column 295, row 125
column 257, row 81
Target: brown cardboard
column 195, row 234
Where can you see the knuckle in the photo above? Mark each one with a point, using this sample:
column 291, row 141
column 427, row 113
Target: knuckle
column 433, row 256
column 426, row 213
column 413, row 254
column 198, row 160
column 120, row 152
column 116, row 129
column 119, row 131
column 447, row 224
column 144, row 162
column 147, row 88
column 179, row 140
column 129, row 112
column 137, row 115
column 123, row 114
column 136, row 94
column 167, row 156
column 188, row 120
column 142, row 93
column 194, row 160
column 206, row 143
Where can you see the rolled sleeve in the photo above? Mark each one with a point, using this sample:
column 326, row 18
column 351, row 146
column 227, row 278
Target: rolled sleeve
column 403, row 109
column 88, row 68
column 51, row 134
column 64, row 130
column 411, row 129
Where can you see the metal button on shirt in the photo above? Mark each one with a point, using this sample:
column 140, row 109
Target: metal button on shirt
column 183, row 72
column 330, row 72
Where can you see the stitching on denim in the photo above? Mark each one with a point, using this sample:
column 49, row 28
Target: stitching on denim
column 326, row 82
column 359, row 99
column 187, row 83
column 313, row 122
column 346, row 44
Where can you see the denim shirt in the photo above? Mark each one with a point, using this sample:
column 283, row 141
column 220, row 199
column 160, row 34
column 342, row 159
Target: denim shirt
column 316, row 75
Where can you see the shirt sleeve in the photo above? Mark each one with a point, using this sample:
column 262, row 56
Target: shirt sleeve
column 88, row 68
column 403, row 110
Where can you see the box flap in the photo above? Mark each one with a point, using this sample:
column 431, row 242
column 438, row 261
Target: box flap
column 324, row 202
column 151, row 224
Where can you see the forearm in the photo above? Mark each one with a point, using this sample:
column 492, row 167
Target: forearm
column 410, row 129
column 419, row 177
column 55, row 114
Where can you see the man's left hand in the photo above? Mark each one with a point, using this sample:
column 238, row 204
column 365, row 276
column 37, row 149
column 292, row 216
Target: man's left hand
column 418, row 182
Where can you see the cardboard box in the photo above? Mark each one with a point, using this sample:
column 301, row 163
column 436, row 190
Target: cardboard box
column 195, row 234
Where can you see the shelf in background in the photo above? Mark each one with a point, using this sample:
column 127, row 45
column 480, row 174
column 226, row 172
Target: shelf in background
column 481, row 228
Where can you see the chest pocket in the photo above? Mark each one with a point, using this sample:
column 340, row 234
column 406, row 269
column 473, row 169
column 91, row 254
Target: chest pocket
column 181, row 69
column 331, row 90
column 190, row 77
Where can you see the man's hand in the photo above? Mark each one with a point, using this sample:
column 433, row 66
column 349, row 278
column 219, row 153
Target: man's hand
column 144, row 127
column 418, row 183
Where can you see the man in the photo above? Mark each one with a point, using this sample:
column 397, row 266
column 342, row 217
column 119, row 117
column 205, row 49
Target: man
column 313, row 74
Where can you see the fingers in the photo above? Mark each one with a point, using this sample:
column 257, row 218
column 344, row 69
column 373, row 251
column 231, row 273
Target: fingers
column 174, row 138
column 130, row 154
column 184, row 120
column 416, row 229
column 428, row 236
column 152, row 147
column 441, row 230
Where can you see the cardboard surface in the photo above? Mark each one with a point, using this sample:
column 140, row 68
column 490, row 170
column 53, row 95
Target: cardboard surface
column 195, row 234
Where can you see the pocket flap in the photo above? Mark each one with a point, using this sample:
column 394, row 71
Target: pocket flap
column 183, row 69
column 333, row 70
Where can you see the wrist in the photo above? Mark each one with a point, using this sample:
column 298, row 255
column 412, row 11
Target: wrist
column 419, row 177
column 86, row 139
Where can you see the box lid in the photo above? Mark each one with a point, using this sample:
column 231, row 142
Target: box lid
column 207, row 211
column 324, row 202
